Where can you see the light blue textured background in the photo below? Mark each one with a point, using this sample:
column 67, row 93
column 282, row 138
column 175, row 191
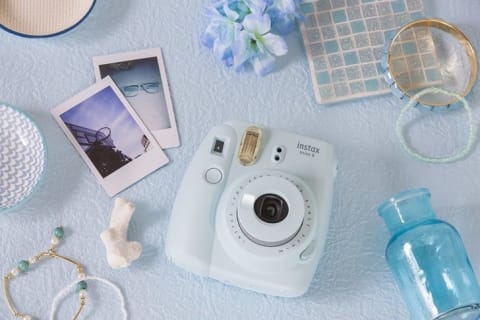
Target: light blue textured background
column 352, row 280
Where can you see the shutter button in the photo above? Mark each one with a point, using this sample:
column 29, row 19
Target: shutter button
column 213, row 175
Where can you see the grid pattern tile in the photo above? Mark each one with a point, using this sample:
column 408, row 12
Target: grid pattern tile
column 344, row 42
column 414, row 60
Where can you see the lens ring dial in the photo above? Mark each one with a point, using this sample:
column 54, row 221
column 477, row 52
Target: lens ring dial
column 229, row 216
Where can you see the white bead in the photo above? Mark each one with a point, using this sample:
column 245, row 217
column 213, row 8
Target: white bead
column 27, row 317
column 54, row 241
column 32, row 260
column 15, row 272
column 81, row 276
column 83, row 293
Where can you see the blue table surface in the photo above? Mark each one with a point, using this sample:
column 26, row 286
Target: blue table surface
column 352, row 280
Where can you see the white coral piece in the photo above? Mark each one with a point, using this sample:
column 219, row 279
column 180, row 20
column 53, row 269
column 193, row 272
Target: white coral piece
column 120, row 252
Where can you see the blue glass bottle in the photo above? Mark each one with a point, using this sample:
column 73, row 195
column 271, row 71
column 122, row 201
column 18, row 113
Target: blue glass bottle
column 428, row 259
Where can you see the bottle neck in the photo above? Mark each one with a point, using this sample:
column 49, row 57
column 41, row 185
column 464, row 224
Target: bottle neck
column 406, row 208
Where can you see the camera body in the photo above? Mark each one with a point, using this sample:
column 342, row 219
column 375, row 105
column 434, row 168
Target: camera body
column 253, row 209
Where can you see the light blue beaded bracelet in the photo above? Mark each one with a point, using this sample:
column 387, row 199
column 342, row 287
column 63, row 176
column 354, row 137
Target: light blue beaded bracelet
column 414, row 102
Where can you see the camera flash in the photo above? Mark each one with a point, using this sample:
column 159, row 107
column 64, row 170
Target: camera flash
column 250, row 146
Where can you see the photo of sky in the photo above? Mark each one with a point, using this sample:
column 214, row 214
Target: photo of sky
column 150, row 107
column 104, row 109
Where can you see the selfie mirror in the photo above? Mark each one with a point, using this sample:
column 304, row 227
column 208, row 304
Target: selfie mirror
column 430, row 53
column 43, row 18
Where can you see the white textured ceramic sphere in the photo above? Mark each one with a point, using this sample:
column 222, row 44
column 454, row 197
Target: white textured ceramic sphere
column 22, row 157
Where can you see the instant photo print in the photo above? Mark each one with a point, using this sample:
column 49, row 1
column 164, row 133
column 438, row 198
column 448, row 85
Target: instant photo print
column 142, row 78
column 109, row 136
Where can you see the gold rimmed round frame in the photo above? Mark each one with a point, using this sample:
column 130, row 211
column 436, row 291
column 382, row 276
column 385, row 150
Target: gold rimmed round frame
column 397, row 44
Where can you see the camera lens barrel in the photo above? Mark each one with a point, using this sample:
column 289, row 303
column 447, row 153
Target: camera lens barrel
column 271, row 208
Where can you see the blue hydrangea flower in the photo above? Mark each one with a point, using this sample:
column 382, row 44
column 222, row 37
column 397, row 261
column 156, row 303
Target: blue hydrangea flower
column 220, row 33
column 226, row 7
column 256, row 6
column 256, row 44
column 242, row 31
column 283, row 13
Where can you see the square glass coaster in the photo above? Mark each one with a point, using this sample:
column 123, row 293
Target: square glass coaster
column 347, row 37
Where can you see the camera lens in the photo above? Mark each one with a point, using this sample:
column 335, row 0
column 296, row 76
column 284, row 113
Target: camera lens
column 271, row 208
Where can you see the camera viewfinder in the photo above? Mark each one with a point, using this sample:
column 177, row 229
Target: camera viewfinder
column 218, row 146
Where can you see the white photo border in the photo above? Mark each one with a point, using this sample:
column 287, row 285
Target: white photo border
column 131, row 172
column 167, row 138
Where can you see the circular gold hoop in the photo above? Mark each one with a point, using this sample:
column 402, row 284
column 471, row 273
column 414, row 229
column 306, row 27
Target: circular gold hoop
column 447, row 27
